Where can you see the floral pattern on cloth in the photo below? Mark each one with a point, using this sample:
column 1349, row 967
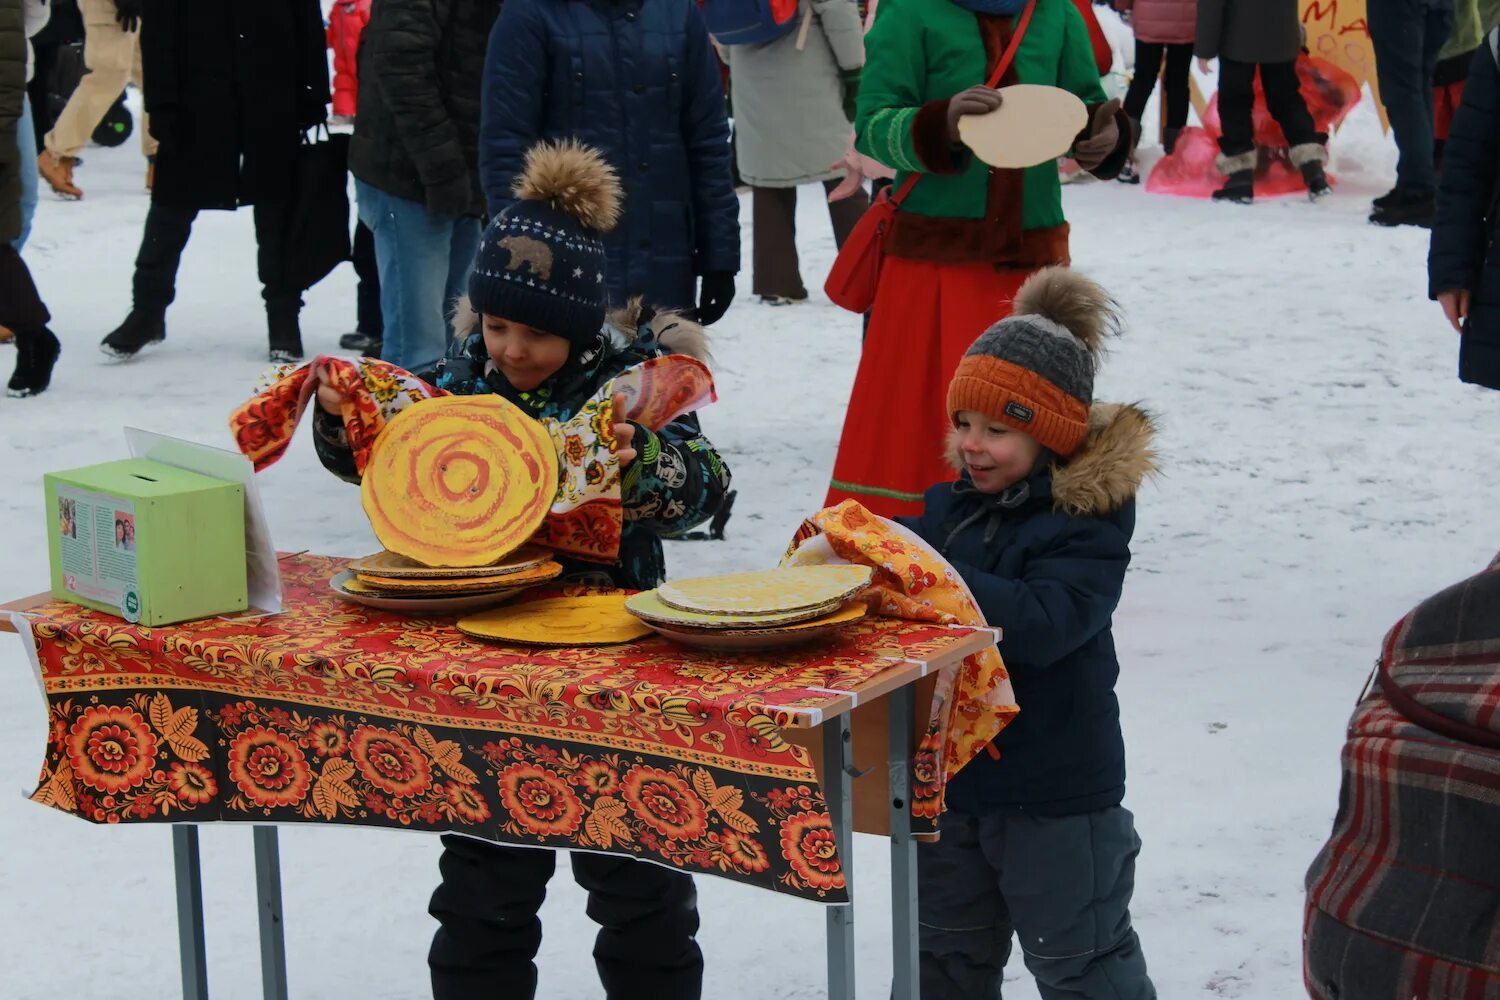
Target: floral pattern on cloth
column 332, row 712
column 374, row 392
column 973, row 701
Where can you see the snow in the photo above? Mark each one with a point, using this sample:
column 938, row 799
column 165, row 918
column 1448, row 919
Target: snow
column 1324, row 470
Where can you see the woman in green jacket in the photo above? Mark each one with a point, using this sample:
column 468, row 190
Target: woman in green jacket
column 969, row 234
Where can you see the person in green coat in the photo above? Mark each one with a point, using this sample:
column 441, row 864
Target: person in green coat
column 968, row 235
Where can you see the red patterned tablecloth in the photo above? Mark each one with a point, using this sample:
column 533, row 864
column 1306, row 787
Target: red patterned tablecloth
column 332, row 712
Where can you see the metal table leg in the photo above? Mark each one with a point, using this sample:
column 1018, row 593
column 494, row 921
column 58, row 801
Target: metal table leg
column 838, row 787
column 902, row 745
column 190, row 912
column 268, row 895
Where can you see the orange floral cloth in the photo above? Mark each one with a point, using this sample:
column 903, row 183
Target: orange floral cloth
column 973, row 701
column 335, row 713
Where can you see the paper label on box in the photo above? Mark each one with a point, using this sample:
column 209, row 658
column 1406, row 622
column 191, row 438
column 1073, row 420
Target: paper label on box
column 98, row 549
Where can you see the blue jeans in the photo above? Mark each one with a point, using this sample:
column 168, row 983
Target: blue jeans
column 424, row 263
column 1407, row 36
column 26, row 140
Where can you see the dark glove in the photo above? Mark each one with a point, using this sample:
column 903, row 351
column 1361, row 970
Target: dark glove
column 715, row 296
column 450, row 200
column 850, row 79
column 974, row 101
column 1102, row 138
column 128, row 14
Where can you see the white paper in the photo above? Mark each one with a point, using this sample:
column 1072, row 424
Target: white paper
column 263, row 574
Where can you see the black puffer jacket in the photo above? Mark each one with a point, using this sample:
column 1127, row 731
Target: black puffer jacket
column 12, row 93
column 1249, row 31
column 416, row 136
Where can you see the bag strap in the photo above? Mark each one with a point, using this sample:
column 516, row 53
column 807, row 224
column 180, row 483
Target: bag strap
column 994, row 81
column 1402, row 701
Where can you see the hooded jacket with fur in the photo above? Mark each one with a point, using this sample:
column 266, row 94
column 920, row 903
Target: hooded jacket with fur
column 1046, row 561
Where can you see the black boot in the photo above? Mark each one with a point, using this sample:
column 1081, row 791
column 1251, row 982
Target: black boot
column 1239, row 188
column 1409, row 208
column 37, row 349
column 286, row 334
column 140, row 329
column 1169, row 139
column 1316, row 181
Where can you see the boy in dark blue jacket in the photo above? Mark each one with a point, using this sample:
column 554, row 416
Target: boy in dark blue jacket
column 1035, row 840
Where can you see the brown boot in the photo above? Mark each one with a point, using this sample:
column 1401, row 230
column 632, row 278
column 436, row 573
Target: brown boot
column 150, row 173
column 57, row 171
column 6, row 335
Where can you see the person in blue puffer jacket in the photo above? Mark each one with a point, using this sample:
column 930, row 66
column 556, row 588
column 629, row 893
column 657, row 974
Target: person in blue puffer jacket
column 637, row 80
column 1035, row 841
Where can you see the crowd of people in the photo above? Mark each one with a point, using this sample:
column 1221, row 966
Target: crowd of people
column 546, row 193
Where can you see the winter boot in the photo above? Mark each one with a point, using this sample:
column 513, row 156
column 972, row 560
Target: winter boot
column 1169, row 139
column 141, row 328
column 6, row 335
column 1128, row 174
column 37, row 350
column 1410, row 208
column 364, row 343
column 286, row 333
column 1240, row 171
column 57, row 171
column 1309, row 158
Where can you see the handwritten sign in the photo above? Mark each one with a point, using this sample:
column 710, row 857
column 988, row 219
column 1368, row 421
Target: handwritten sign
column 1337, row 30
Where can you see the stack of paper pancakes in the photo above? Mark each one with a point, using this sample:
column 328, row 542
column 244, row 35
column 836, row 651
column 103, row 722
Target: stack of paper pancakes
column 749, row 611
column 386, row 574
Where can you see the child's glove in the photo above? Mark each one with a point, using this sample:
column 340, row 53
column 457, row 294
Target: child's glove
column 850, row 79
column 715, row 296
column 128, row 14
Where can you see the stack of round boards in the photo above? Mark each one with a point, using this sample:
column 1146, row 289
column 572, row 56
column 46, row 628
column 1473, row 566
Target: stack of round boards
column 588, row 620
column 753, row 611
column 392, row 582
column 459, row 481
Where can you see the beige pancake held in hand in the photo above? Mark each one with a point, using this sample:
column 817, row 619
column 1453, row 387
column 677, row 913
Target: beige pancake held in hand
column 766, row 591
column 1034, row 124
column 590, row 620
column 459, row 481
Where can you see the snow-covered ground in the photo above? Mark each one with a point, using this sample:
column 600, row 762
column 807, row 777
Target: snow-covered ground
column 1323, row 471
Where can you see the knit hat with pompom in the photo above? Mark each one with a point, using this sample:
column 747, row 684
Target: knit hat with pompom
column 541, row 261
column 1034, row 370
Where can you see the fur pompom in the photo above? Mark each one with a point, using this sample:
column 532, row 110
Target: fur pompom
column 575, row 178
column 1071, row 300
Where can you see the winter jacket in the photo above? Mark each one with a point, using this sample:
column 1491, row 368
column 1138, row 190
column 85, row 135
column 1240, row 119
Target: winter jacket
column 346, row 22
column 416, row 133
column 38, row 13
column 1462, row 253
column 1046, row 562
column 637, row 80
column 917, row 56
column 1249, row 31
column 789, row 122
column 234, row 84
column 12, row 93
column 1162, row 22
column 678, row 480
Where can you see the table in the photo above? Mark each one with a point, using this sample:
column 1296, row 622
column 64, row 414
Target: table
column 331, row 712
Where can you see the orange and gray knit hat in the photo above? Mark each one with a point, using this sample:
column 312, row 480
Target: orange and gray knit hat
column 1034, row 370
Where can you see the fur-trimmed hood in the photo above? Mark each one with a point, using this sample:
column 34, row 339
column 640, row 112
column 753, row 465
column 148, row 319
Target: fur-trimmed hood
column 674, row 332
column 1107, row 470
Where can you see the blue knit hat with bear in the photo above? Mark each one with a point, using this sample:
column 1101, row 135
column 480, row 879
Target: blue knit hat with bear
column 541, row 261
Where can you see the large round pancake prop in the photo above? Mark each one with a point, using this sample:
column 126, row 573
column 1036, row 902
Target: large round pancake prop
column 458, row 585
column 769, row 591
column 459, row 481
column 389, row 564
column 589, row 620
column 649, row 607
column 1034, row 124
column 421, row 606
column 756, row 640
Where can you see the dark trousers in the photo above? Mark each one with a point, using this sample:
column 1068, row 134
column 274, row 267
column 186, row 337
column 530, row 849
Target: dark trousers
column 21, row 305
column 777, row 268
column 487, row 905
column 1283, row 100
column 167, row 231
column 1148, row 59
column 368, row 318
column 1062, row 884
column 1407, row 36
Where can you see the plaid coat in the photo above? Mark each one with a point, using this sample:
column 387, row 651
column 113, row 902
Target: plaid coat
column 1404, row 900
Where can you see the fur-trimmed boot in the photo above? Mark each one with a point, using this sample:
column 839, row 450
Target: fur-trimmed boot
column 1240, row 171
column 1309, row 158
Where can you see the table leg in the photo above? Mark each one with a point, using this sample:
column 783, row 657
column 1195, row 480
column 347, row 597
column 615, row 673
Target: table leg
column 268, row 895
column 838, row 788
column 901, row 706
column 190, row 940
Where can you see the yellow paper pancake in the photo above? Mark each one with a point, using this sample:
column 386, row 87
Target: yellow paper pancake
column 388, row 584
column 459, row 481
column 390, row 564
column 769, row 591
column 590, row 620
column 650, row 607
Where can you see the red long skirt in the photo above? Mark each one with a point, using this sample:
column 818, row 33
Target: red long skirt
column 924, row 318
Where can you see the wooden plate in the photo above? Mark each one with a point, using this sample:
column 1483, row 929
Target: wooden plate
column 771, row 591
column 459, row 481
column 421, row 607
column 650, row 608
column 390, row 564
column 1033, row 124
column 458, row 585
column 590, row 620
